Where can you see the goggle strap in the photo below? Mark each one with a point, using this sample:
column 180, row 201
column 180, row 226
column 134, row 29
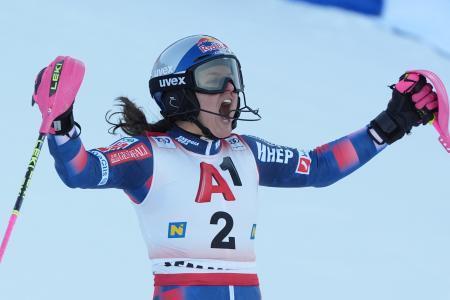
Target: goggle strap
column 170, row 82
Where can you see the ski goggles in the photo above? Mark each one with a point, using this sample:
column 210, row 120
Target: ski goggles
column 209, row 77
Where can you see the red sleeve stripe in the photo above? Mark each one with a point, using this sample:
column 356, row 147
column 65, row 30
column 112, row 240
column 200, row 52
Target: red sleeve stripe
column 78, row 163
column 345, row 155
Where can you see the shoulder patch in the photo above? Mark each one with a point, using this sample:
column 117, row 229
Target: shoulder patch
column 164, row 142
column 235, row 143
column 119, row 145
column 137, row 152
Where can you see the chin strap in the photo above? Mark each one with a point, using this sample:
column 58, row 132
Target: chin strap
column 192, row 114
column 205, row 130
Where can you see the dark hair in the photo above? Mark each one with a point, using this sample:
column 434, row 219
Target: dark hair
column 132, row 120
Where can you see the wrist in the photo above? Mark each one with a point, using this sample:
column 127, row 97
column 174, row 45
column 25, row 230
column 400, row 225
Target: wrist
column 64, row 123
column 375, row 136
column 385, row 129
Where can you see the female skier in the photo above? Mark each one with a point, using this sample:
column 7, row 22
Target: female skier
column 192, row 181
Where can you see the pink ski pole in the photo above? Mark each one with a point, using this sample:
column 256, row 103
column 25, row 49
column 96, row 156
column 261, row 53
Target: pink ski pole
column 23, row 189
column 441, row 121
column 59, row 84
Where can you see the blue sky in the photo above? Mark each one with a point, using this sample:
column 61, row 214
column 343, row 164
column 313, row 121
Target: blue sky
column 316, row 75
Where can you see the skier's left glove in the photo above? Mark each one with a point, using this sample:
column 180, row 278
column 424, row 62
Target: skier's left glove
column 413, row 103
column 55, row 89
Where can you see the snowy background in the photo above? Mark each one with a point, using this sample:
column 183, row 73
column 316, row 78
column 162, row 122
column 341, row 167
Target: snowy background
column 316, row 74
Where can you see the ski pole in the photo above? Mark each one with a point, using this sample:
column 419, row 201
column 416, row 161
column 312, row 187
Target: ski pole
column 23, row 189
column 441, row 117
column 55, row 89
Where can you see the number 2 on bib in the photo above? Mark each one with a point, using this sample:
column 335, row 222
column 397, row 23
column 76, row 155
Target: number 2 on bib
column 219, row 240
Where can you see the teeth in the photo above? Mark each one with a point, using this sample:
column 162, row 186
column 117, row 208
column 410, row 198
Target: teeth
column 227, row 101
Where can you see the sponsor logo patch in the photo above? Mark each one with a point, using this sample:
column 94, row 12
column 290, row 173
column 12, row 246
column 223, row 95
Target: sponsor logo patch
column 104, row 166
column 273, row 153
column 164, row 142
column 185, row 141
column 55, row 77
column 174, row 81
column 138, row 152
column 235, row 143
column 210, row 44
column 304, row 163
column 119, row 145
column 163, row 71
column 177, row 230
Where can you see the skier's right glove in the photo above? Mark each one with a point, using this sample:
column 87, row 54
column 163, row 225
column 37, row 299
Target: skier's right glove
column 55, row 89
column 413, row 103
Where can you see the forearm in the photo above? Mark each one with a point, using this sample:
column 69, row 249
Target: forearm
column 76, row 166
column 335, row 160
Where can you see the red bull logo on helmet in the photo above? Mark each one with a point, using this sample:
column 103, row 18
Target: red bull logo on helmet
column 208, row 44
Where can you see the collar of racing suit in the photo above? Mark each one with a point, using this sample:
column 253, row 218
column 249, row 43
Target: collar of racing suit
column 195, row 143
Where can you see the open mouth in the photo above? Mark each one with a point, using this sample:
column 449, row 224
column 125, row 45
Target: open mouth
column 225, row 109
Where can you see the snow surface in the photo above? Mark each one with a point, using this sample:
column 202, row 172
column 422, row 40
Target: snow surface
column 316, row 74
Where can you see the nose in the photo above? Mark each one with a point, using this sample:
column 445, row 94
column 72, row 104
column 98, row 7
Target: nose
column 229, row 87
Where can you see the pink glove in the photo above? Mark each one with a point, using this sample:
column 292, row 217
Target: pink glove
column 441, row 119
column 55, row 89
column 423, row 96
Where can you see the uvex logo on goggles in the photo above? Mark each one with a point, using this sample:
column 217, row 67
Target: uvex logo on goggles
column 172, row 81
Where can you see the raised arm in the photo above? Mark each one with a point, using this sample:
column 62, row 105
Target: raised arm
column 413, row 103
column 127, row 164
column 281, row 166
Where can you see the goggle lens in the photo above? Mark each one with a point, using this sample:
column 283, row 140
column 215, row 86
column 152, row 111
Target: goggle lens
column 213, row 75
